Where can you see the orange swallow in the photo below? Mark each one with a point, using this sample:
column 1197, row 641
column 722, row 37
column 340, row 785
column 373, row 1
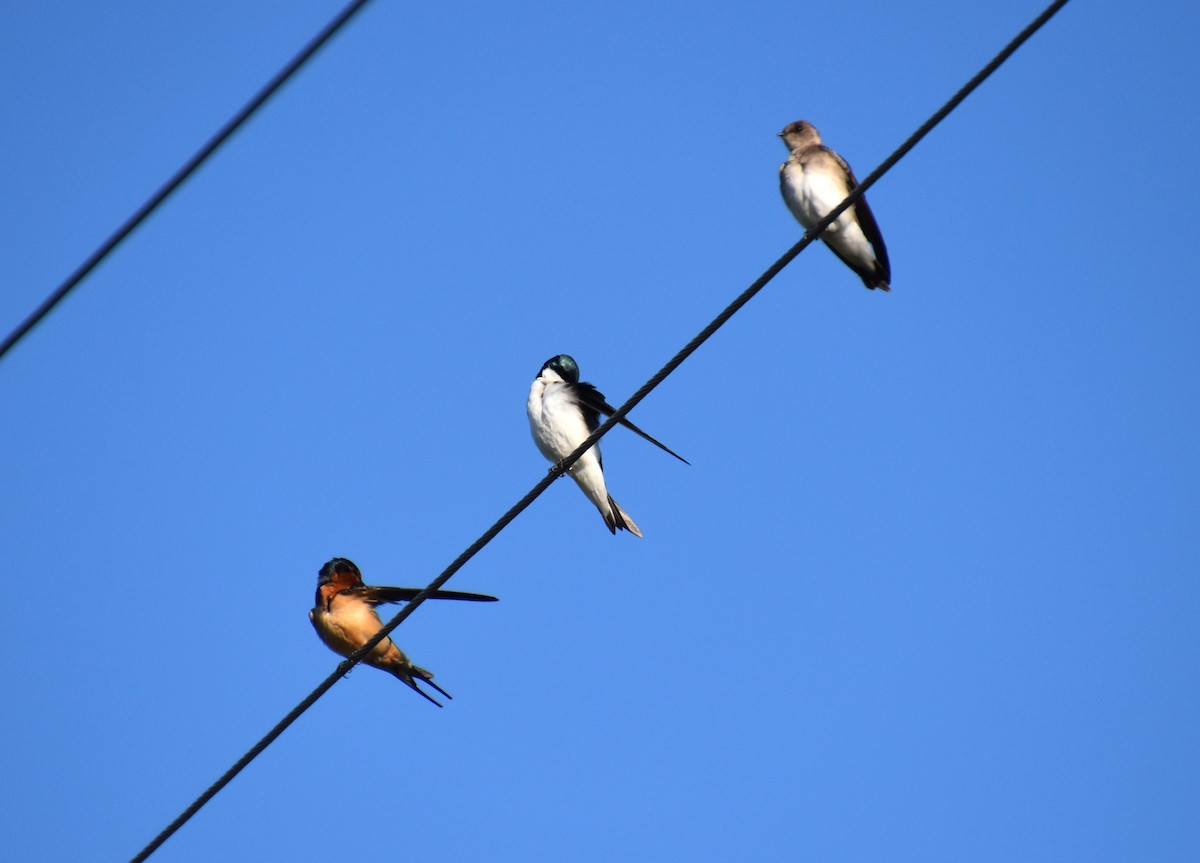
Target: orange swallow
column 345, row 619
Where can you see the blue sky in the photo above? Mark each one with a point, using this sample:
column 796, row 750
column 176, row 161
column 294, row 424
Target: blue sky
column 927, row 591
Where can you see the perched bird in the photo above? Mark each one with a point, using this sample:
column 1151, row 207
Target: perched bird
column 345, row 619
column 814, row 180
column 562, row 413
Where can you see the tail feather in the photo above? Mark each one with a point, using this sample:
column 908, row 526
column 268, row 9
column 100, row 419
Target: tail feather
column 877, row 279
column 412, row 684
column 427, row 676
column 873, row 275
column 415, row 671
column 618, row 519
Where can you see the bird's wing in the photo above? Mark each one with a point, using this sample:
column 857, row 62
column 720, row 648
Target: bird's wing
column 866, row 219
column 376, row 595
column 592, row 402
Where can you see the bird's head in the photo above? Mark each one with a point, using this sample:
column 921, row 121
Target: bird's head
column 564, row 366
column 339, row 571
column 800, row 134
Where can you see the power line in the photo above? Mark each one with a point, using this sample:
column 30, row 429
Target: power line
column 178, row 178
column 717, row 322
column 344, row 667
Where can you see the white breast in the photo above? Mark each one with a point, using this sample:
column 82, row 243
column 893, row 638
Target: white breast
column 810, row 195
column 554, row 419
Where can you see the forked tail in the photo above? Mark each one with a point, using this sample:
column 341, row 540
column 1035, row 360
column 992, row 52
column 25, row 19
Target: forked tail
column 618, row 519
column 426, row 676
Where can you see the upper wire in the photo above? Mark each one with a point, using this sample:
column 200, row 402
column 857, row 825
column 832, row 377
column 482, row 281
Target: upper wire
column 177, row 179
column 560, row 468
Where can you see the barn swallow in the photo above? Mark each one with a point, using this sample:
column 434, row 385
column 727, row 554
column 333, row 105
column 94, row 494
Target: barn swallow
column 345, row 619
column 562, row 413
column 814, row 180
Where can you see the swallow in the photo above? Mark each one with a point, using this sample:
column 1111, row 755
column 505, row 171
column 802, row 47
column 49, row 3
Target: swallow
column 562, row 413
column 345, row 618
column 814, row 180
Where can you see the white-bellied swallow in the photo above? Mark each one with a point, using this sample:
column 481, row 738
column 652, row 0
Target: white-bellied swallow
column 345, row 618
column 814, row 180
column 562, row 413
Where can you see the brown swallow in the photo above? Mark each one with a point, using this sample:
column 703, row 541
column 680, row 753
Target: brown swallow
column 345, row 619
column 813, row 181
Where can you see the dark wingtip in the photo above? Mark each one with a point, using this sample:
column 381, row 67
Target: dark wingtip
column 460, row 596
column 642, row 434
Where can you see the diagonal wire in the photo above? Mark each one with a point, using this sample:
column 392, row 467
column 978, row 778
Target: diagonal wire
column 646, row 388
column 178, row 178
column 703, row 336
